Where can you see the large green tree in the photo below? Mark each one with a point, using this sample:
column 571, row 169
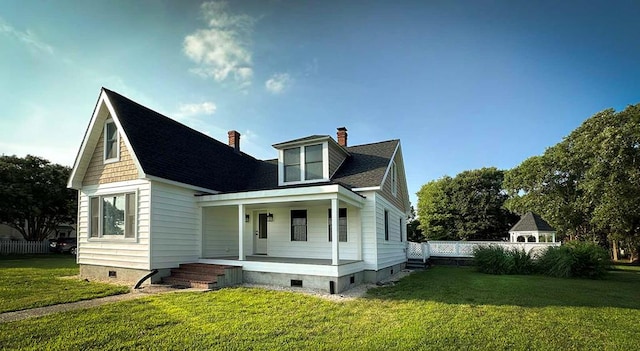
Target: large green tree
column 588, row 185
column 469, row 206
column 34, row 196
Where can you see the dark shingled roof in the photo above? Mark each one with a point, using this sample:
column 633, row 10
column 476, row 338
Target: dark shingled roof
column 532, row 222
column 170, row 150
column 366, row 165
column 310, row 137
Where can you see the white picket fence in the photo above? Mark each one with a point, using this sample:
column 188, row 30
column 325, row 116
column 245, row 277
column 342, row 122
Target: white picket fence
column 461, row 249
column 24, row 247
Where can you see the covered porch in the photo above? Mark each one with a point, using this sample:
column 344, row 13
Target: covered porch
column 312, row 230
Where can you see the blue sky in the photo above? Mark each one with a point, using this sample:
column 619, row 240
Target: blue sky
column 463, row 84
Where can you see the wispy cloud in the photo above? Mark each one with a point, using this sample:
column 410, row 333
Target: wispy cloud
column 190, row 110
column 27, row 37
column 221, row 51
column 278, row 83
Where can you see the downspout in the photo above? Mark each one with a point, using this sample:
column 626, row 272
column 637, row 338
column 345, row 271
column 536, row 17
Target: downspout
column 143, row 279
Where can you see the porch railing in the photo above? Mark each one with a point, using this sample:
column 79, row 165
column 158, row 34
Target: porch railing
column 428, row 249
column 24, row 247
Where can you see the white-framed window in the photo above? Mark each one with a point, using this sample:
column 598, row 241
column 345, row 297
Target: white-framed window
column 292, row 164
column 113, row 216
column 111, row 142
column 386, row 225
column 313, row 167
column 394, row 179
column 304, row 163
column 342, row 225
column 298, row 225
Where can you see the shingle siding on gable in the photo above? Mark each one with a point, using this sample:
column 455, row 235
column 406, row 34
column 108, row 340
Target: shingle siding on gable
column 335, row 158
column 400, row 200
column 100, row 173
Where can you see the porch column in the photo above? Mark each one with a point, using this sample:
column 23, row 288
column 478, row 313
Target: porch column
column 334, row 232
column 240, row 232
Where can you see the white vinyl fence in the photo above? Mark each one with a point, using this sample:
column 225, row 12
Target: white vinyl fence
column 428, row 249
column 24, row 247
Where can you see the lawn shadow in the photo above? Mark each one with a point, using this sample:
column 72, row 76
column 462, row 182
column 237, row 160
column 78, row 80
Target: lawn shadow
column 464, row 285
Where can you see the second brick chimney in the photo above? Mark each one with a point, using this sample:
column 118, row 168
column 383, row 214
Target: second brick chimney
column 342, row 136
column 234, row 140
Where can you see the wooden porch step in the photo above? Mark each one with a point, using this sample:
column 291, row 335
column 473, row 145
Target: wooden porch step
column 189, row 283
column 204, row 276
column 204, row 268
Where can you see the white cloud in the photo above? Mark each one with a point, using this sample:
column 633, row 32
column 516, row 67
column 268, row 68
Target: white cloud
column 27, row 37
column 189, row 110
column 278, row 83
column 221, row 51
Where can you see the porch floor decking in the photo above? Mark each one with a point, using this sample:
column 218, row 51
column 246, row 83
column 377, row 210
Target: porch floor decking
column 294, row 260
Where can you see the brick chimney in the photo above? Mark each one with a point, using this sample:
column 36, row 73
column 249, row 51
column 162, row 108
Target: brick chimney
column 234, row 140
column 342, row 136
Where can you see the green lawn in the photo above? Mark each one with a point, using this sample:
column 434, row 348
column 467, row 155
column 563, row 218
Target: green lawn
column 35, row 281
column 442, row 308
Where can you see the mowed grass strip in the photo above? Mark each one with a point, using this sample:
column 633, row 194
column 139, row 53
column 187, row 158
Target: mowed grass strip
column 442, row 308
column 37, row 280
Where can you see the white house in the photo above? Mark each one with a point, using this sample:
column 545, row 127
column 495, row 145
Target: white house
column 155, row 194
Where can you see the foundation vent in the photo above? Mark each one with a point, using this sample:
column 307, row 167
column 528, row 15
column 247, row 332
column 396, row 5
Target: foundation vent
column 112, row 274
column 296, row 283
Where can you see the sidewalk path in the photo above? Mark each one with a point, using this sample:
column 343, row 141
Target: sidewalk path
column 43, row 311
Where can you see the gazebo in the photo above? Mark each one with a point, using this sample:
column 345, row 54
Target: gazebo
column 532, row 228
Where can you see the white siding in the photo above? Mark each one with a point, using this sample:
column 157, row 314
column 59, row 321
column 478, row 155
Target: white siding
column 220, row 231
column 279, row 242
column 369, row 242
column 392, row 251
column 175, row 226
column 114, row 252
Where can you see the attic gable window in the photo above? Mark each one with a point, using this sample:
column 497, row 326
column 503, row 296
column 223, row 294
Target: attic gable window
column 111, row 142
column 313, row 162
column 394, row 179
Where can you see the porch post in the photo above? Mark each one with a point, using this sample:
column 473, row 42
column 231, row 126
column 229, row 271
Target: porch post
column 240, row 232
column 334, row 231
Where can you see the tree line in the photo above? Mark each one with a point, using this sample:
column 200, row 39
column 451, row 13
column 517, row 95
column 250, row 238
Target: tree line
column 587, row 186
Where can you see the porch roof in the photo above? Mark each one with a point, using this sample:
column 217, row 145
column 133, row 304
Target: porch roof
column 283, row 195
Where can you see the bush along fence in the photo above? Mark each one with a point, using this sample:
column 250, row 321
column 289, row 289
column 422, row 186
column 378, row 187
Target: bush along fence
column 24, row 247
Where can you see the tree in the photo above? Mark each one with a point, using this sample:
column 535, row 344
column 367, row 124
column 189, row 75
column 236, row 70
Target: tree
column 588, row 185
column 467, row 207
column 414, row 233
column 35, row 198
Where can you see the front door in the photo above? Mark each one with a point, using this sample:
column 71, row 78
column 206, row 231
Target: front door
column 261, row 235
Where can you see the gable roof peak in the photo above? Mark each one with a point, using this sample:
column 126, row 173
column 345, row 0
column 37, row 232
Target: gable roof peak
column 531, row 222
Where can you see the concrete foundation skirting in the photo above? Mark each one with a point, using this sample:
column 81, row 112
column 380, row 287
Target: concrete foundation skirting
column 371, row 276
column 119, row 275
column 321, row 283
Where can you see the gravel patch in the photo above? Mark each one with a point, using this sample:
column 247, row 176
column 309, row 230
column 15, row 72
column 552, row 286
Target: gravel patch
column 356, row 292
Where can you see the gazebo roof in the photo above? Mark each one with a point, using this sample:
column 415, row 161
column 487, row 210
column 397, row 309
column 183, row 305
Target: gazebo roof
column 532, row 222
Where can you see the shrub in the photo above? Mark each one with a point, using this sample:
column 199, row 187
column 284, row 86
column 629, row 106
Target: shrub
column 491, row 259
column 494, row 259
column 574, row 259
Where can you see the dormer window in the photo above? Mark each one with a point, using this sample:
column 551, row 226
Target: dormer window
column 304, row 163
column 313, row 162
column 292, row 164
column 111, row 142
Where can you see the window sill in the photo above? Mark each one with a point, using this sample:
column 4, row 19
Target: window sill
column 111, row 160
column 115, row 239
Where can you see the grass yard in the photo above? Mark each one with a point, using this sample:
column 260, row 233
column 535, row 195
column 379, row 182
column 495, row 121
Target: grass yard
column 36, row 281
column 445, row 308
